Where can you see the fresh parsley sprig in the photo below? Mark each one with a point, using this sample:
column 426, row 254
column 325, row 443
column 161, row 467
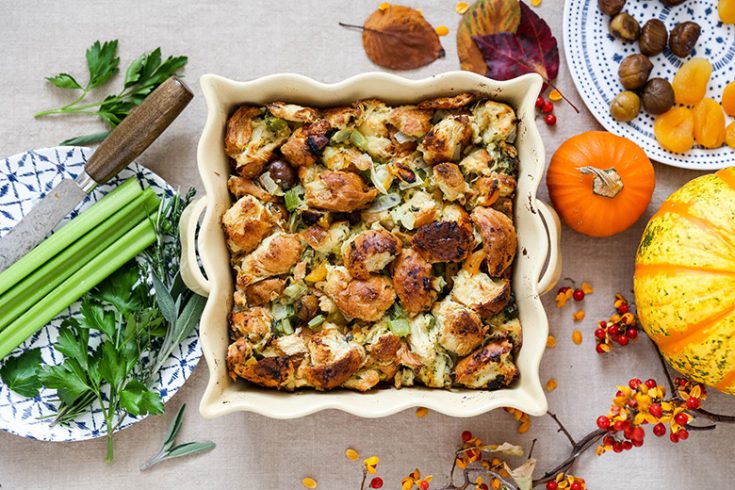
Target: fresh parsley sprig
column 142, row 76
column 170, row 451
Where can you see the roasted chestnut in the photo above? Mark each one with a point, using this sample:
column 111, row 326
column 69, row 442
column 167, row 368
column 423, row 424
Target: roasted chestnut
column 653, row 37
column 625, row 106
column 625, row 27
column 610, row 7
column 657, row 96
column 634, row 71
column 683, row 38
column 283, row 174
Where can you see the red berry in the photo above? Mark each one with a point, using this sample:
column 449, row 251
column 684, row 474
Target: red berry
column 466, row 435
column 625, row 424
column 623, row 309
column 656, row 410
column 539, row 102
column 547, row 107
column 603, row 422
column 632, row 333
column 424, row 485
column 599, row 349
column 578, row 294
column 681, row 419
column 603, row 324
column 623, row 340
column 607, row 440
column 651, row 383
column 634, row 383
column 575, row 486
column 633, row 403
column 550, row 120
column 659, row 429
column 618, row 447
column 637, row 443
column 376, row 482
column 673, row 438
column 613, row 329
column 683, row 434
column 552, row 485
column 600, row 333
column 692, row 403
column 638, row 434
column 627, row 445
column 618, row 425
column 628, row 433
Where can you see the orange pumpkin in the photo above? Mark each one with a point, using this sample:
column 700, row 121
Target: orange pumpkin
column 600, row 183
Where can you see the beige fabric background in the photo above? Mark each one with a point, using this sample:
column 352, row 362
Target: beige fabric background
column 244, row 40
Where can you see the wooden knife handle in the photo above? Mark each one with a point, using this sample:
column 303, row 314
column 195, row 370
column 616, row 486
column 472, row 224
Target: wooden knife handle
column 139, row 129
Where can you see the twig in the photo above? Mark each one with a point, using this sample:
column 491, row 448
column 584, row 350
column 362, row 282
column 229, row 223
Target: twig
column 664, row 366
column 548, row 82
column 563, row 429
column 533, row 445
column 588, row 441
column 715, row 416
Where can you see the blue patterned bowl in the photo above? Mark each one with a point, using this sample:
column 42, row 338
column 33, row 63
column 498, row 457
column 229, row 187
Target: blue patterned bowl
column 24, row 178
column 593, row 56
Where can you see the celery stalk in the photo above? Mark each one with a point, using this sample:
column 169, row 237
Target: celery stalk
column 70, row 233
column 76, row 285
column 44, row 279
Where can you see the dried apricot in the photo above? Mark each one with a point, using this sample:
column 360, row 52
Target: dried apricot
column 729, row 139
column 674, row 129
column 709, row 123
column 728, row 99
column 690, row 82
column 726, row 11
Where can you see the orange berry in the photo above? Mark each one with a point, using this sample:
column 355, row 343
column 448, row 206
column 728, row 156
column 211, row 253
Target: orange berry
column 674, row 129
column 384, row 6
column 577, row 337
column 551, row 384
column 726, row 11
column 728, row 99
column 422, row 411
column 551, row 340
column 351, row 454
column 690, row 81
column 309, row 482
column 461, row 7
column 730, row 135
column 442, row 30
column 709, row 123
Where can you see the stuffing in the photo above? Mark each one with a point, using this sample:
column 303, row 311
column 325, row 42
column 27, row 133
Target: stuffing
column 251, row 141
column 306, row 144
column 254, row 324
column 498, row 238
column 414, row 282
column 364, row 299
column 410, row 121
column 456, row 102
column 445, row 140
column 370, row 251
column 341, row 117
column 246, row 223
column 460, row 329
column 491, row 367
column 373, row 118
column 450, row 239
column 346, row 158
column 339, row 191
column 329, row 240
column 265, row 291
column 293, row 112
column 480, row 293
column 420, row 209
column 450, row 181
column 493, row 121
column 274, row 256
column 333, row 359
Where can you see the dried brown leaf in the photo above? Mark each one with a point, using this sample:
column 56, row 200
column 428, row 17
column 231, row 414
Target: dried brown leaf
column 484, row 17
column 400, row 38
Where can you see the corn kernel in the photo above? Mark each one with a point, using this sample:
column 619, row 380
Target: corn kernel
column 551, row 342
column 442, row 30
column 351, row 454
column 577, row 337
column 309, row 482
column 462, row 7
column 578, row 315
column 551, row 384
column 422, row 411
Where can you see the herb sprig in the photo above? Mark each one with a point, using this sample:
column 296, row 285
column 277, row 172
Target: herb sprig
column 142, row 76
column 170, row 451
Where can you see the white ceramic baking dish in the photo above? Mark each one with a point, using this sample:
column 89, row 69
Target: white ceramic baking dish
column 538, row 238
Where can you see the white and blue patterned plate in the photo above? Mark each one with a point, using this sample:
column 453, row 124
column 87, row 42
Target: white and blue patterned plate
column 24, row 178
column 593, row 56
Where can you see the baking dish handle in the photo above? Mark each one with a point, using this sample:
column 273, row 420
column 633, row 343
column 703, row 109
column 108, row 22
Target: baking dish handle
column 551, row 275
column 190, row 271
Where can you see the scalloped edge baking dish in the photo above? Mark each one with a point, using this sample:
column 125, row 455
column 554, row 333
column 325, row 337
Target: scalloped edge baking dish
column 538, row 242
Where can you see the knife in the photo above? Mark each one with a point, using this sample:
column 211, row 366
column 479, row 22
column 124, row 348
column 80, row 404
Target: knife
column 125, row 143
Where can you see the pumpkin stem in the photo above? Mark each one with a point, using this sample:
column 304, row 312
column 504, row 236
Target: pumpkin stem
column 607, row 183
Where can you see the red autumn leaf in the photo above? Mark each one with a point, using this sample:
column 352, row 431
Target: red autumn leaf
column 531, row 49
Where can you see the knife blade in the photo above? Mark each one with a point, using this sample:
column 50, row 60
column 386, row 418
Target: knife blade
column 125, row 143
